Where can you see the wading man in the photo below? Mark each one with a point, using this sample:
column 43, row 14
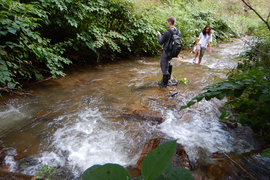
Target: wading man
column 165, row 63
column 202, row 43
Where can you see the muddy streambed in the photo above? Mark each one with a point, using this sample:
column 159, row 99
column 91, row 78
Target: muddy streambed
column 77, row 121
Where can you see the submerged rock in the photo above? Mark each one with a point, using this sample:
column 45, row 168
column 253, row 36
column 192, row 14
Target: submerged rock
column 219, row 171
column 148, row 115
column 248, row 167
column 150, row 145
column 231, row 125
column 20, row 153
column 180, row 157
column 134, row 172
column 3, row 153
column 9, row 175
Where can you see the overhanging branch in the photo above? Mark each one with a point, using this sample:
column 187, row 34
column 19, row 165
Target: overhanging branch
column 266, row 22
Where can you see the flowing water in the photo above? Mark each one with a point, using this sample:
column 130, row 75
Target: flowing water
column 77, row 121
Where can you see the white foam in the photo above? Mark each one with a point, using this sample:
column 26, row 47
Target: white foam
column 10, row 116
column 87, row 139
column 203, row 131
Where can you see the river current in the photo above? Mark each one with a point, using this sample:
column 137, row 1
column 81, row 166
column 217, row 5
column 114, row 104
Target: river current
column 77, row 121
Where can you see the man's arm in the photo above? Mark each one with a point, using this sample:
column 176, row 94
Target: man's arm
column 162, row 39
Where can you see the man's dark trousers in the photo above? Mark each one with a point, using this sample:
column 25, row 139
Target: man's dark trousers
column 164, row 64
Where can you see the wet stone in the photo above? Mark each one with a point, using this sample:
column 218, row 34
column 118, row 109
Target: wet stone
column 42, row 113
column 180, row 158
column 186, row 117
column 218, row 155
column 3, row 153
column 148, row 115
column 5, row 168
column 197, row 175
column 45, row 115
column 134, row 172
column 150, row 145
column 28, row 161
column 20, row 153
column 4, row 175
column 231, row 125
column 219, row 171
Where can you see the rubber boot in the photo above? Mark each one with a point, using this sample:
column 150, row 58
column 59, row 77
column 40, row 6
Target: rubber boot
column 165, row 80
column 170, row 71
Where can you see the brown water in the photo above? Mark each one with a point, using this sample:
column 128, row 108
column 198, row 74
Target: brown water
column 75, row 122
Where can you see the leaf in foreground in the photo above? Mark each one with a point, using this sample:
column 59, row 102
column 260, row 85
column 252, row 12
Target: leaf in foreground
column 106, row 172
column 157, row 160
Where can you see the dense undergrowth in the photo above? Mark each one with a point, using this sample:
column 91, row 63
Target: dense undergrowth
column 39, row 37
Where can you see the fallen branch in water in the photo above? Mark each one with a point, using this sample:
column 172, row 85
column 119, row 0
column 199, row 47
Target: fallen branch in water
column 235, row 162
column 41, row 81
column 17, row 92
column 238, row 165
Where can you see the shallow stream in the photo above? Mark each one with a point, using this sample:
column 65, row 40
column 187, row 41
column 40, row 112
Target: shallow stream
column 77, row 121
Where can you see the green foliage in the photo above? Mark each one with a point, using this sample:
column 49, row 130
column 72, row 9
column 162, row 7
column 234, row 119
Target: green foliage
column 248, row 94
column 257, row 53
column 101, row 26
column 266, row 153
column 157, row 160
column 156, row 166
column 191, row 18
column 177, row 173
column 45, row 171
column 107, row 171
column 184, row 80
column 23, row 51
column 36, row 36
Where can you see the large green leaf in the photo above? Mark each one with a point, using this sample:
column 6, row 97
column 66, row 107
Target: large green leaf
column 161, row 177
column 168, row 169
column 141, row 177
column 266, row 153
column 157, row 160
column 106, row 172
column 179, row 173
column 87, row 173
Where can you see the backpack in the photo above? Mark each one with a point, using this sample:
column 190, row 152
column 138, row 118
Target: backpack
column 175, row 44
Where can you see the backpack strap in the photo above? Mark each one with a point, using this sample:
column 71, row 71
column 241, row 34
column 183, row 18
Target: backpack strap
column 172, row 33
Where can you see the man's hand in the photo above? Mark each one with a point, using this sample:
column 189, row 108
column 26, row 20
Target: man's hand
column 158, row 33
column 210, row 51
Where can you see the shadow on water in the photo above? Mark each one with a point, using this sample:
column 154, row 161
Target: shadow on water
column 77, row 121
